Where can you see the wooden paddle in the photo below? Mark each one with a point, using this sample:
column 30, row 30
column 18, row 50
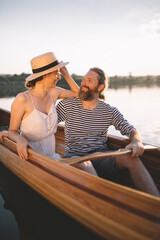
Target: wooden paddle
column 120, row 152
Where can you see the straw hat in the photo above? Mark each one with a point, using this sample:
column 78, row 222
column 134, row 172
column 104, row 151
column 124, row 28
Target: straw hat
column 43, row 64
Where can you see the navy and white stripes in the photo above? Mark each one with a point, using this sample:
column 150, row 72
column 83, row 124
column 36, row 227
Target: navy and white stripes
column 86, row 130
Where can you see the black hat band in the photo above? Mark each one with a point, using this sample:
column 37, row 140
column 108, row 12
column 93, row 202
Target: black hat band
column 38, row 70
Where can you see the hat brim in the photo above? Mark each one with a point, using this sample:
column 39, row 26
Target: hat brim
column 37, row 75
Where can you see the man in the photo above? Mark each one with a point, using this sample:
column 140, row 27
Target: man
column 87, row 120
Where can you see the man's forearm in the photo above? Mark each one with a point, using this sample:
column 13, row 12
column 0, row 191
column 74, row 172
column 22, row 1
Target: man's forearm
column 135, row 136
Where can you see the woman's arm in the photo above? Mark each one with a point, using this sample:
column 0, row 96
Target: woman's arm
column 63, row 93
column 17, row 111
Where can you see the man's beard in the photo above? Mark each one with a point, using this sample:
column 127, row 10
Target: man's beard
column 88, row 95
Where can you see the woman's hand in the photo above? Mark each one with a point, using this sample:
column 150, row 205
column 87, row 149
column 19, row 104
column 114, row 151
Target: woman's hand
column 64, row 72
column 22, row 145
column 3, row 134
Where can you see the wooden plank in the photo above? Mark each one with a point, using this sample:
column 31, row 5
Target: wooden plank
column 41, row 161
column 109, row 219
column 24, row 202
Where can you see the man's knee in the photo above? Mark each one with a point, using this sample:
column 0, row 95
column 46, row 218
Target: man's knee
column 127, row 162
column 87, row 167
column 84, row 166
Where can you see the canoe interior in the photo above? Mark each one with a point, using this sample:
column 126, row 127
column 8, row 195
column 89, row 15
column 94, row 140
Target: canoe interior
column 36, row 217
column 4, row 117
column 151, row 159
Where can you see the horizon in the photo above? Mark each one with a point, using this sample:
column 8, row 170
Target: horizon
column 121, row 37
column 136, row 76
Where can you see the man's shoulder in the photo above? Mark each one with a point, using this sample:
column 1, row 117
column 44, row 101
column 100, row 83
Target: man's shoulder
column 107, row 108
column 105, row 105
column 68, row 101
column 73, row 99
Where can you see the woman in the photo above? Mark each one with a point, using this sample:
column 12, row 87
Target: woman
column 34, row 112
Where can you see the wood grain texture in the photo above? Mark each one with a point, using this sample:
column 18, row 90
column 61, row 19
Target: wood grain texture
column 110, row 210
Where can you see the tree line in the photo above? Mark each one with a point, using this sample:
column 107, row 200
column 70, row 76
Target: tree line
column 10, row 85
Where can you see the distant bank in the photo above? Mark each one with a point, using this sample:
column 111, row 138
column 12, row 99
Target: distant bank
column 10, row 85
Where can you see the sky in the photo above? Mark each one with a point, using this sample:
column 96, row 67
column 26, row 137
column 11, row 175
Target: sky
column 120, row 36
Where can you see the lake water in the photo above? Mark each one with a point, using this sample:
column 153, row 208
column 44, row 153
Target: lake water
column 140, row 106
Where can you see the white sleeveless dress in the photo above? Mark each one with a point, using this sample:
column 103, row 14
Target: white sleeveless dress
column 39, row 129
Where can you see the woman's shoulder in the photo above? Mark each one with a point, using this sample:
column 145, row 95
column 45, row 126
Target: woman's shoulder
column 21, row 97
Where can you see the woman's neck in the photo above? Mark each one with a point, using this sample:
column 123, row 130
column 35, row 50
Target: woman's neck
column 39, row 91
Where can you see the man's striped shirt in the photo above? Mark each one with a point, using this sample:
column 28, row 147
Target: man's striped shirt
column 86, row 130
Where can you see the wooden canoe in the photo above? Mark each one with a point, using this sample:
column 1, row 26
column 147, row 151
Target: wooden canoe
column 112, row 210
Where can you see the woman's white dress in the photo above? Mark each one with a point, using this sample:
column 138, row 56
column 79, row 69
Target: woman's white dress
column 39, row 129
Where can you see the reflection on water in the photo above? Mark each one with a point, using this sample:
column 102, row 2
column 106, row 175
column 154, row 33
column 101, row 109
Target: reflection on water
column 140, row 106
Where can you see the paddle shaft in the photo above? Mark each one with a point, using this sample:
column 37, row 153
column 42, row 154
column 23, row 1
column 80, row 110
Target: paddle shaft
column 120, row 152
column 94, row 156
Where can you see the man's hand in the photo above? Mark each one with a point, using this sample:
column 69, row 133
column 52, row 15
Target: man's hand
column 136, row 147
column 136, row 144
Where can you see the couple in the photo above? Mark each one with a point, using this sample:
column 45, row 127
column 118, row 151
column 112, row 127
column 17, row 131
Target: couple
column 86, row 117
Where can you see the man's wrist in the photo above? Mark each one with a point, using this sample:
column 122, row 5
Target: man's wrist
column 136, row 141
column 135, row 137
